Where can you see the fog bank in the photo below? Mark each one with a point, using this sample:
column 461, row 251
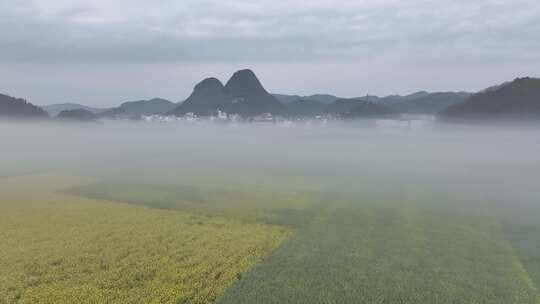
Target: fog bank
column 471, row 169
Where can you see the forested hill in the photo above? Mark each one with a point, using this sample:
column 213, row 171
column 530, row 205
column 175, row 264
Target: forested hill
column 11, row 107
column 516, row 100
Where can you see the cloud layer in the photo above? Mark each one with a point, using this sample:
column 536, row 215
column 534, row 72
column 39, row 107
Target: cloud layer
column 264, row 30
column 392, row 40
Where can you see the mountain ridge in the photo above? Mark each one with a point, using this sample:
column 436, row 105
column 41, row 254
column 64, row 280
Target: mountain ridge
column 138, row 108
column 77, row 115
column 56, row 108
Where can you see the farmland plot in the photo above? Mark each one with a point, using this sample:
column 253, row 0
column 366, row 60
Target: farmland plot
column 59, row 248
column 368, row 253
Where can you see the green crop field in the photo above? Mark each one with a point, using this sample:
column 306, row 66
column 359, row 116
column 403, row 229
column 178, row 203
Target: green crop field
column 526, row 241
column 74, row 239
column 373, row 254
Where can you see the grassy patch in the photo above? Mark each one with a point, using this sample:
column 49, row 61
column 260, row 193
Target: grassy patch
column 368, row 253
column 59, row 248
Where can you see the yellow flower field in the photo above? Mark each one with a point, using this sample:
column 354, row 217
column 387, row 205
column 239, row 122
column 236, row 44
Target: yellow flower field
column 60, row 248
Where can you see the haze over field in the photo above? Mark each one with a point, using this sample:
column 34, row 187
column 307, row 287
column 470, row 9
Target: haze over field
column 497, row 165
column 451, row 210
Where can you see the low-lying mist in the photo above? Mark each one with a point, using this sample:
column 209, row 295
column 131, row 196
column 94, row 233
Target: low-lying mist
column 481, row 170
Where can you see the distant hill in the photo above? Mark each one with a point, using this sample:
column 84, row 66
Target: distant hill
column 135, row 109
column 305, row 107
column 516, row 100
column 417, row 95
column 430, row 103
column 420, row 102
column 342, row 106
column 354, row 108
column 148, row 107
column 249, row 96
column 77, row 115
column 495, row 87
column 207, row 98
column 368, row 109
column 286, row 99
column 11, row 107
column 322, row 98
column 113, row 113
column 243, row 94
column 55, row 109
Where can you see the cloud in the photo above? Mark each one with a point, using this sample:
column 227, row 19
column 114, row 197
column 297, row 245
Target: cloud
column 102, row 52
column 267, row 31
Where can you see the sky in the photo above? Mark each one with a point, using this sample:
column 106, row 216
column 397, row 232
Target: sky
column 102, row 52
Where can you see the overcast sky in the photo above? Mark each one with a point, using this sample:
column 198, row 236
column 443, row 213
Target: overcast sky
column 103, row 52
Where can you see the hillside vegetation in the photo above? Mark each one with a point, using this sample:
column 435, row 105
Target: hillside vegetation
column 11, row 107
column 516, row 100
